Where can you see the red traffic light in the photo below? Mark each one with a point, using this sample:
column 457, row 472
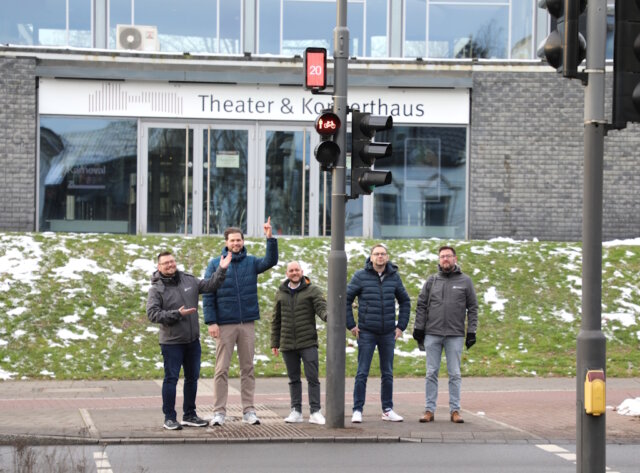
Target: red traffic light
column 328, row 123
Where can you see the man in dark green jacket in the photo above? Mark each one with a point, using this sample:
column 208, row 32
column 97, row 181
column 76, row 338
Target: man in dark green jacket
column 293, row 332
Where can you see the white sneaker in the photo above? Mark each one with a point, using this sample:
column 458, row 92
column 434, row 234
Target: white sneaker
column 294, row 418
column 316, row 418
column 250, row 417
column 218, row 419
column 356, row 418
column 391, row 416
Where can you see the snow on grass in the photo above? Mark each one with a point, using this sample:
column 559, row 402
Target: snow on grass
column 491, row 298
column 6, row 375
column 626, row 319
column 22, row 259
column 75, row 266
column 563, row 315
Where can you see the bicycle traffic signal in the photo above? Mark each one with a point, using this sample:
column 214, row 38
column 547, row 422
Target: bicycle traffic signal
column 327, row 152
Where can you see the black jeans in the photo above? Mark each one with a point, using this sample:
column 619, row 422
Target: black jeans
column 309, row 357
column 185, row 355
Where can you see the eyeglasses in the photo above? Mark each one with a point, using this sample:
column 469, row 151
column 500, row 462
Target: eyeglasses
column 378, row 254
column 447, row 256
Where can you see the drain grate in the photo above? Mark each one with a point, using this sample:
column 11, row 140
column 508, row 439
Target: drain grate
column 271, row 424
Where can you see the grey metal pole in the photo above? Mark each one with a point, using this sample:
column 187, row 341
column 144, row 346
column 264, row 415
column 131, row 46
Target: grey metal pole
column 337, row 278
column 591, row 345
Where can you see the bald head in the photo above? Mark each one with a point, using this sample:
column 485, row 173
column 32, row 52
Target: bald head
column 294, row 272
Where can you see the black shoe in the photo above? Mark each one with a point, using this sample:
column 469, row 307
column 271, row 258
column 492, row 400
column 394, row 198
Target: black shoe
column 171, row 424
column 194, row 421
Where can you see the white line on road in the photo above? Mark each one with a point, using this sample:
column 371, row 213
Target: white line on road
column 564, row 454
column 88, row 421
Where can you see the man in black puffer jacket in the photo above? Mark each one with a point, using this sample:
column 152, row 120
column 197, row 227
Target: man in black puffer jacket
column 173, row 303
column 377, row 288
column 293, row 332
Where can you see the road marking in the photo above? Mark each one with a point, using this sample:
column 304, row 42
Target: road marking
column 502, row 424
column 551, row 448
column 88, row 421
column 564, row 454
column 102, row 462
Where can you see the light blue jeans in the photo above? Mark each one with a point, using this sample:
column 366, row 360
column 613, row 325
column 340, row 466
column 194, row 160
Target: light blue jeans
column 453, row 352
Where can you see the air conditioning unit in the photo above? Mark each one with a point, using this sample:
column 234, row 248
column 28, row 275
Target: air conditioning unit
column 137, row 38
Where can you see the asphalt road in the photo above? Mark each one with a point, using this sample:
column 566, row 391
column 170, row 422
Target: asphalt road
column 311, row 458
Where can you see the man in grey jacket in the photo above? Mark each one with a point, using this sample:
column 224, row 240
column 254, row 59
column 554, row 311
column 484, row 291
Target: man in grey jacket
column 173, row 303
column 447, row 300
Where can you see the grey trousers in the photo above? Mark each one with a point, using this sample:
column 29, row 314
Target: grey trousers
column 309, row 358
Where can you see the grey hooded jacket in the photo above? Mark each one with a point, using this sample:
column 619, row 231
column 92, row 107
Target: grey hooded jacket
column 445, row 301
column 167, row 295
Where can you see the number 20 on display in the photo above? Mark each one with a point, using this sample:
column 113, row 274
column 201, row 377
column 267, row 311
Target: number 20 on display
column 315, row 66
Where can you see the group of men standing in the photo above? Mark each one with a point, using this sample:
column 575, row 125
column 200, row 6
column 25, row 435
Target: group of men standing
column 446, row 319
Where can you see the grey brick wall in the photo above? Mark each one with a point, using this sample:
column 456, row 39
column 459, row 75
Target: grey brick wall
column 17, row 144
column 526, row 160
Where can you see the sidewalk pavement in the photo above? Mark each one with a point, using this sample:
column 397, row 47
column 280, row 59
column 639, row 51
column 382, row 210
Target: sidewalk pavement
column 496, row 410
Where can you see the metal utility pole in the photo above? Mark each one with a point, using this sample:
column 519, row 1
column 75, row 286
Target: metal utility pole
column 337, row 278
column 591, row 345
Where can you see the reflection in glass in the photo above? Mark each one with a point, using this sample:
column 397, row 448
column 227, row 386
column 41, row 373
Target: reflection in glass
column 168, row 188
column 522, row 12
column 415, row 18
column 202, row 26
column 310, row 23
column 377, row 44
column 79, row 24
column 87, row 175
column 299, row 32
column 225, row 199
column 287, row 192
column 269, row 27
column 35, row 22
column 480, row 31
column 427, row 195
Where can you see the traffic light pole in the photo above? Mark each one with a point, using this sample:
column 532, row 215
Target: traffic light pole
column 591, row 344
column 337, row 278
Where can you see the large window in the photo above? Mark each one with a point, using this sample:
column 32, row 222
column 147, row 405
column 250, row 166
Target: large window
column 197, row 26
column 427, row 195
column 46, row 23
column 87, row 175
column 460, row 29
column 287, row 27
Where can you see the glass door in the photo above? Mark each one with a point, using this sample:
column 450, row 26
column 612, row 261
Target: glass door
column 169, row 169
column 225, row 176
column 287, row 154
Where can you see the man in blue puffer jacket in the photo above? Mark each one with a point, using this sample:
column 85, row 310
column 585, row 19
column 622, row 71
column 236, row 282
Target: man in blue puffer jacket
column 230, row 314
column 377, row 288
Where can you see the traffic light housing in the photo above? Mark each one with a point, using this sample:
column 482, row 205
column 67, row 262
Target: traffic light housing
column 565, row 47
column 626, row 63
column 365, row 152
column 327, row 151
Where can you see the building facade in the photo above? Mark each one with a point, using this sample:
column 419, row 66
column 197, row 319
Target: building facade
column 140, row 116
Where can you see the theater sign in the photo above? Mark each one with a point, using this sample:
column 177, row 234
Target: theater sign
column 242, row 102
